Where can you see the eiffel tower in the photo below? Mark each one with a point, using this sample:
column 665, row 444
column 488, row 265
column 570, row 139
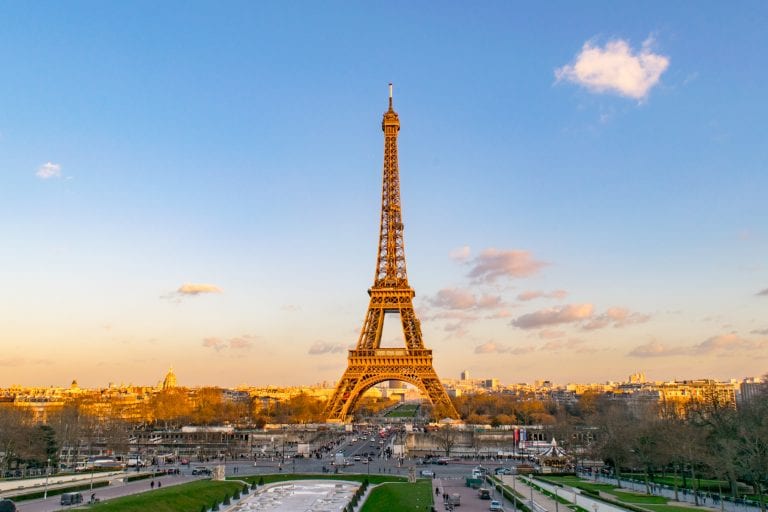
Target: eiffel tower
column 369, row 364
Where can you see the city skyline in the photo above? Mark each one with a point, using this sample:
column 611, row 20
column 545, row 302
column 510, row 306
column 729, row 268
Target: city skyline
column 583, row 192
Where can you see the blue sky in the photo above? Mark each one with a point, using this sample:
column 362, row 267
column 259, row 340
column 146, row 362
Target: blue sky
column 607, row 163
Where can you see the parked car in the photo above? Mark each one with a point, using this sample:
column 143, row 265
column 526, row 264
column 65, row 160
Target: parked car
column 7, row 506
column 427, row 472
column 201, row 470
column 496, row 506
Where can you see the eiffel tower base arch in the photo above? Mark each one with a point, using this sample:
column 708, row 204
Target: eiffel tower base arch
column 367, row 368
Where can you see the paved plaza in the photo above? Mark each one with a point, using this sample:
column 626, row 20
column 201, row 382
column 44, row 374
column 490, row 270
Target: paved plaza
column 300, row 496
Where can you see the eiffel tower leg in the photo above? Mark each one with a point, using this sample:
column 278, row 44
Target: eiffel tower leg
column 338, row 405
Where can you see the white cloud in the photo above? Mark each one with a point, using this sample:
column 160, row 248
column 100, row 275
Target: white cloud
column 762, row 292
column 537, row 294
column 454, row 298
column 197, row 289
column 244, row 342
column 720, row 345
column 554, row 316
column 48, row 170
column 492, row 264
column 463, row 299
column 616, row 68
column 460, row 253
column 617, row 317
column 322, row 347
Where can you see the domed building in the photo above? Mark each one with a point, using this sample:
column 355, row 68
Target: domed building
column 170, row 380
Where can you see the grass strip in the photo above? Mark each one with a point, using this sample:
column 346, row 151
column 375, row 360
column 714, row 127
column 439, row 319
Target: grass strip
column 189, row 497
column 400, row 496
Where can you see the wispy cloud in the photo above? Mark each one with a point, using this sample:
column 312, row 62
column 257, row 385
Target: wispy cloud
column 322, row 347
column 453, row 298
column 460, row 253
column 582, row 315
column 727, row 343
column 722, row 344
column 616, row 68
column 571, row 345
column 553, row 316
column 463, row 299
column 762, row 292
column 491, row 347
column 538, row 294
column 760, row 331
column 549, row 334
column 190, row 290
column 197, row 289
column 656, row 349
column 492, row 264
column 290, row 308
column 617, row 317
column 237, row 343
column 48, row 170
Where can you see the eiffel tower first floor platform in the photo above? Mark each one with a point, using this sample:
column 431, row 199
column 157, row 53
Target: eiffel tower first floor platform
column 366, row 368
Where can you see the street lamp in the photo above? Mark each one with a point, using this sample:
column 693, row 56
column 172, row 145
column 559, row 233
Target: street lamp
column 530, row 485
column 47, row 472
column 557, row 504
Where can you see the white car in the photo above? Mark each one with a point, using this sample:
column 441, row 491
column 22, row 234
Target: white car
column 427, row 472
column 496, row 506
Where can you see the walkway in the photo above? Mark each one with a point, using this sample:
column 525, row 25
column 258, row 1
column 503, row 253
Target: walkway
column 686, row 498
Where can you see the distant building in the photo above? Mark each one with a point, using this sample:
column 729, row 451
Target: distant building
column 749, row 389
column 170, row 380
column 465, row 375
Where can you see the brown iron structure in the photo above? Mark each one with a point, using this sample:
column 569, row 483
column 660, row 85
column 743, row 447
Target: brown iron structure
column 369, row 363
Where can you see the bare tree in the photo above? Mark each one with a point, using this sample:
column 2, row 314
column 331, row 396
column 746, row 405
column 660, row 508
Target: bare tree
column 446, row 437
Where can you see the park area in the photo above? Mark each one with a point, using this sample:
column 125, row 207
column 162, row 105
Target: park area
column 621, row 496
column 387, row 493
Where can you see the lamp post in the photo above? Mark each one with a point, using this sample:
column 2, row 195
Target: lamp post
column 530, row 485
column 514, row 493
column 47, row 472
column 557, row 503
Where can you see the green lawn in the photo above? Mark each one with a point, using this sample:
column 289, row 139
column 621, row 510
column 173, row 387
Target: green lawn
column 579, row 483
column 400, row 496
column 672, row 508
column 655, row 503
column 630, row 497
column 403, row 411
column 189, row 497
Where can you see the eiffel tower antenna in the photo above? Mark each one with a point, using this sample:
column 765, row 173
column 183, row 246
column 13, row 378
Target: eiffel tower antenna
column 369, row 364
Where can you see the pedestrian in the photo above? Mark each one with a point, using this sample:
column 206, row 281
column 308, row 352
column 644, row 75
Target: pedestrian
column 152, row 484
column 159, row 484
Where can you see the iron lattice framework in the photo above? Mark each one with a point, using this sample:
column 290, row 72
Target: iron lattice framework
column 369, row 364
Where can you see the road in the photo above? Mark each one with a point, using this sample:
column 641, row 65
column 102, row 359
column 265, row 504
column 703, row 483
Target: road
column 351, row 445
